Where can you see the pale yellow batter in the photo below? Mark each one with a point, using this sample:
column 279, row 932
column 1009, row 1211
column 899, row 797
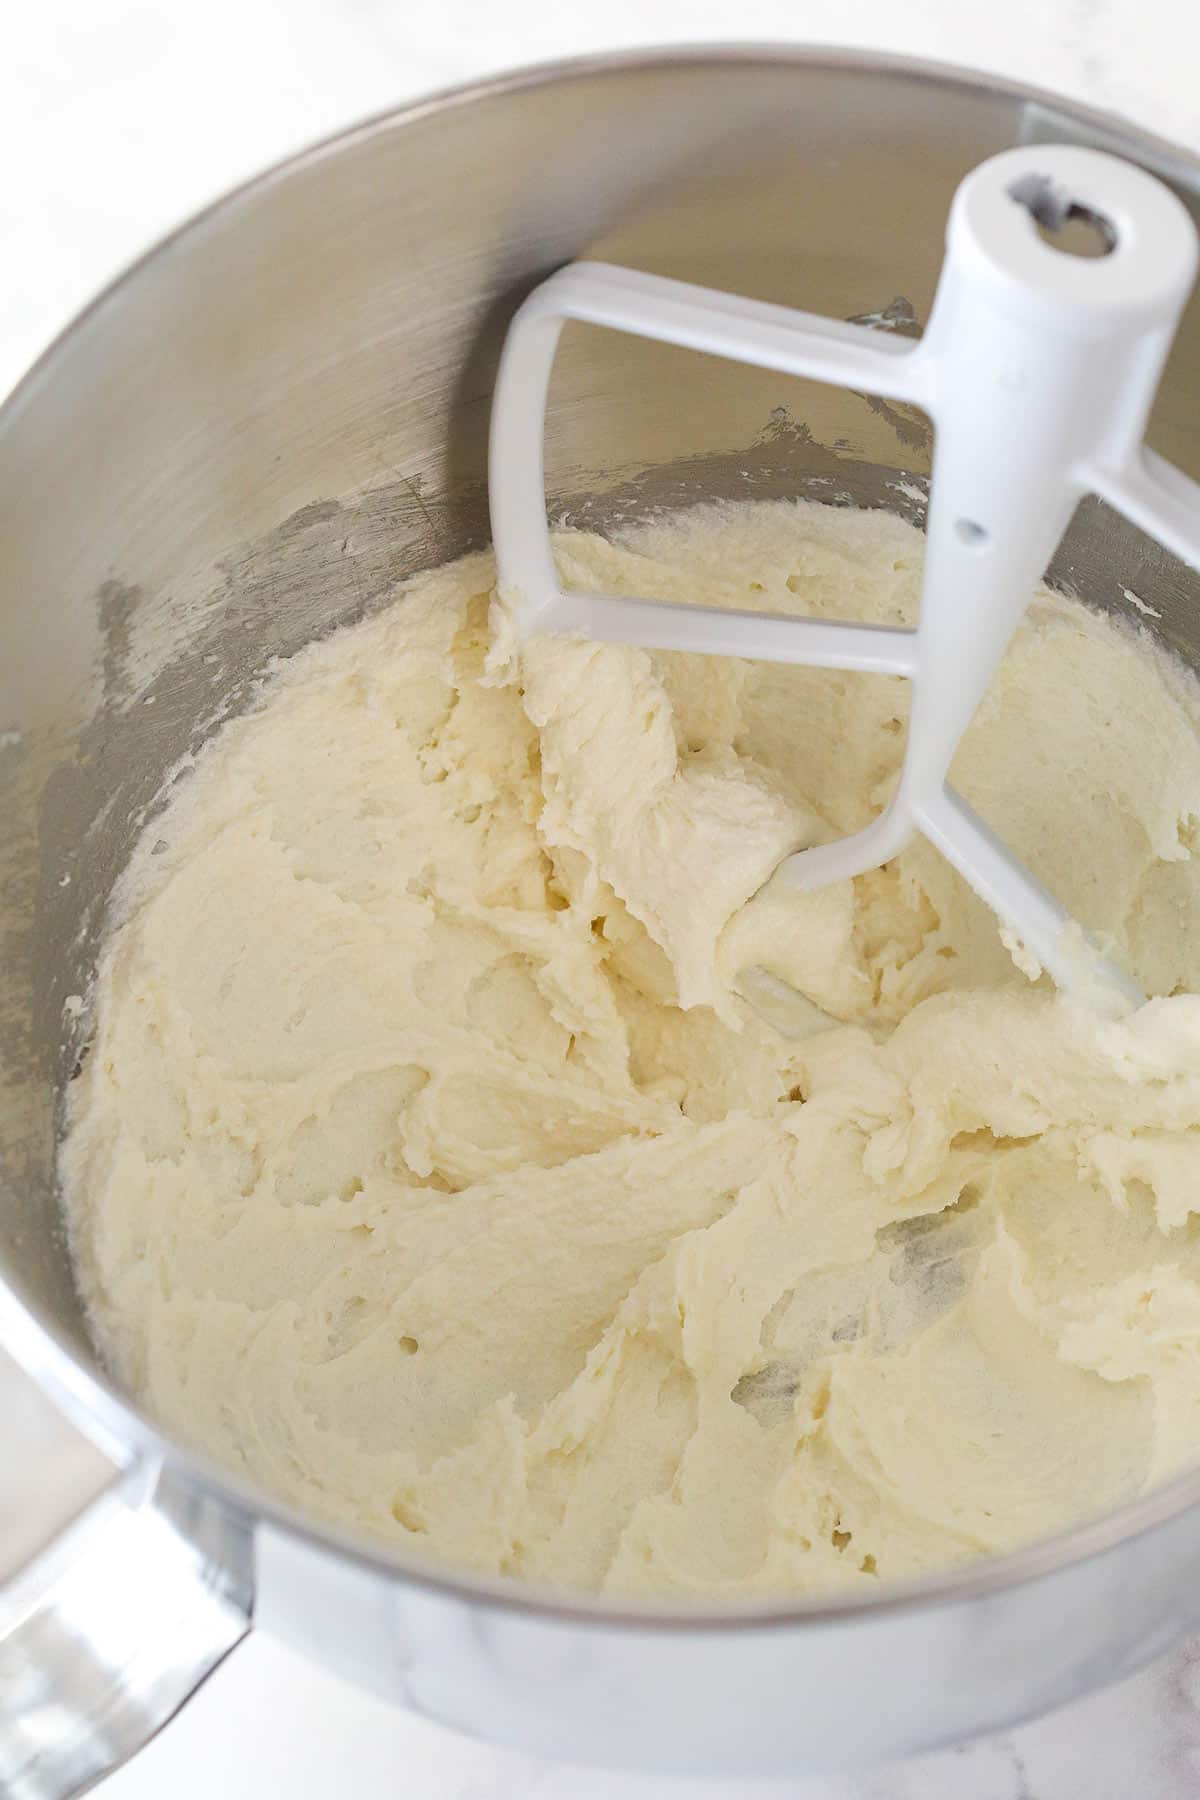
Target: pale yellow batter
column 428, row 1167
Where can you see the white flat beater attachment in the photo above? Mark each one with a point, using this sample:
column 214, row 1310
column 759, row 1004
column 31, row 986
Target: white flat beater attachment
column 1038, row 369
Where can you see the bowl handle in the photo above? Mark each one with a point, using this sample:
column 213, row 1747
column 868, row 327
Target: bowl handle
column 109, row 1629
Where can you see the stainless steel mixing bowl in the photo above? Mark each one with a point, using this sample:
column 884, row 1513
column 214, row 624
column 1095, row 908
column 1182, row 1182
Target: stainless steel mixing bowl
column 248, row 440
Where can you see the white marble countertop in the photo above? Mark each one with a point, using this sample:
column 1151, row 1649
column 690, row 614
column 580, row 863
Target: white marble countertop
column 117, row 119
